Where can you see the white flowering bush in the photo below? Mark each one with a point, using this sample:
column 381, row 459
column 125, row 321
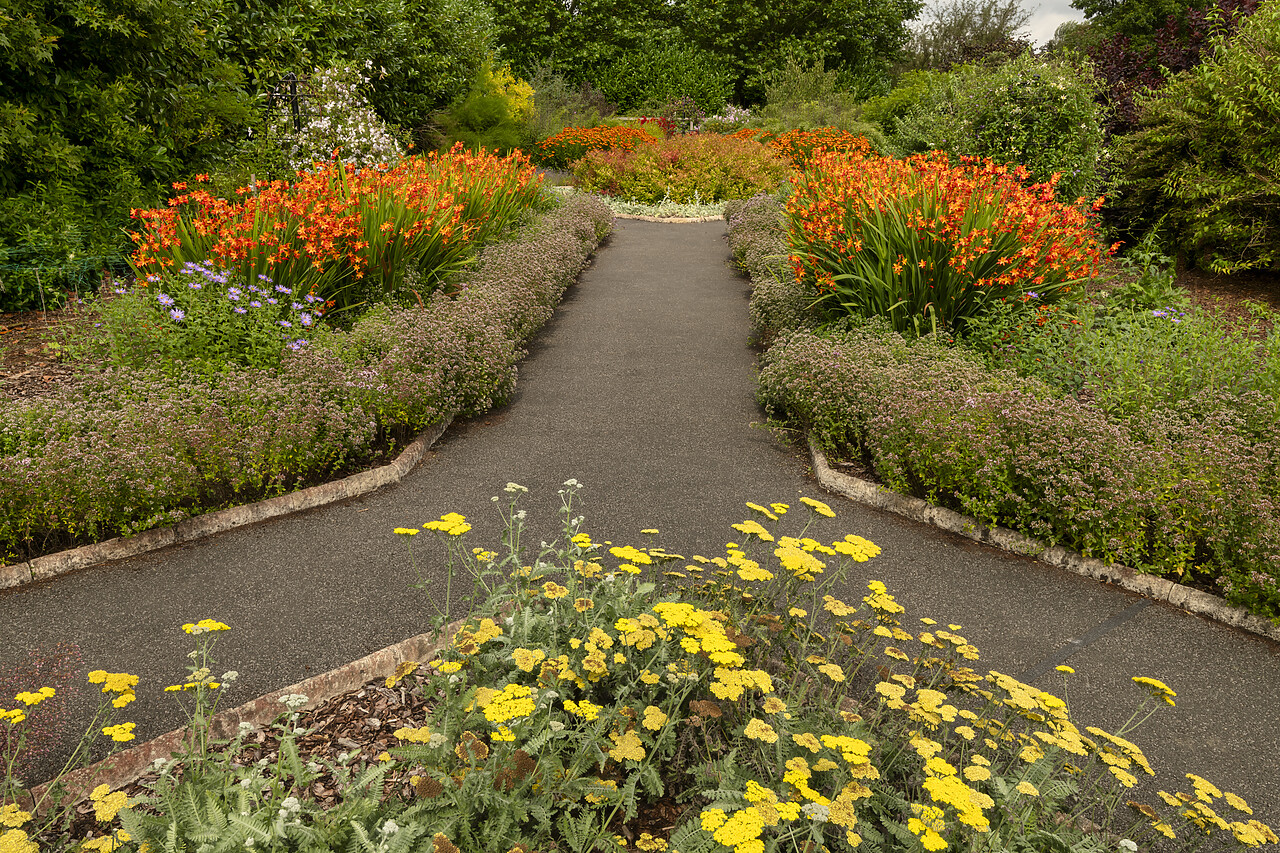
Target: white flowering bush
column 337, row 122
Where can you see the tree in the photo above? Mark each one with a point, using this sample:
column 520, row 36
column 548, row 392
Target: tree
column 969, row 30
column 859, row 38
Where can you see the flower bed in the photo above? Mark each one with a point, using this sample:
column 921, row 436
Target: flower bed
column 572, row 143
column 693, row 167
column 1188, row 492
column 178, row 448
column 588, row 686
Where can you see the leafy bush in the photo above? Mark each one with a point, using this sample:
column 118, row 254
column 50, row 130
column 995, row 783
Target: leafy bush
column 683, row 168
column 581, row 690
column 731, row 118
column 1181, row 493
column 571, row 143
column 1036, row 112
column 344, row 236
column 1203, row 162
column 175, row 448
column 661, row 70
column 929, row 245
column 911, row 90
column 494, row 114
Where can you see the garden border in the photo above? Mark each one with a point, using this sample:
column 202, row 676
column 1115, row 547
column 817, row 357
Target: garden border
column 207, row 524
column 677, row 220
column 1183, row 597
column 126, row 767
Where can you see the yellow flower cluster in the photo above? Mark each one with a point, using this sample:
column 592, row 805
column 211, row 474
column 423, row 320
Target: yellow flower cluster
column 418, row 735
column 515, row 700
column 205, row 626
column 818, row 506
column 451, row 523
column 120, row 733
column 857, row 548
column 106, row 805
column 31, row 699
column 468, row 641
column 628, row 747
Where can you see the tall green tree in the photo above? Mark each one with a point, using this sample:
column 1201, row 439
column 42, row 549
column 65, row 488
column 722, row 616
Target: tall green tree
column 859, row 38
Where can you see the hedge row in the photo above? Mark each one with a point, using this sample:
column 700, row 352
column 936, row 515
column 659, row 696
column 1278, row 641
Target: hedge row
column 128, row 449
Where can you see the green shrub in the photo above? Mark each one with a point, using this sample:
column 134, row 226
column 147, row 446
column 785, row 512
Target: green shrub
column 1204, row 160
column 493, row 115
column 912, row 89
column 807, row 97
column 660, row 71
column 706, row 167
column 1040, row 113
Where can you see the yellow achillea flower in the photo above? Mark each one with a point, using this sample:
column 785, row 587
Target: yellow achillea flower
column 582, row 605
column 451, row 523
column 527, row 659
column 976, row 773
column 797, row 612
column 836, row 607
column 800, row 563
column 107, row 805
column 553, row 590
column 12, row 816
column 712, row 819
column 1064, row 668
column 819, row 507
column 774, row 705
column 628, row 747
column 103, row 843
column 114, row 682
column 1025, row 787
column 515, row 700
column 832, row 671
column 808, row 740
column 650, row 844
column 630, row 554
column 120, row 733
column 742, row 832
column 754, row 528
column 503, row 734
column 418, row 735
column 654, row 718
column 1205, row 790
column 1158, row 688
column 582, row 540
column 584, row 709
column 758, row 729
column 13, row 717
column 650, row 677
column 765, row 512
column 406, row 531
column 780, row 508
column 32, row 699
column 403, row 670
column 856, row 548
column 205, row 626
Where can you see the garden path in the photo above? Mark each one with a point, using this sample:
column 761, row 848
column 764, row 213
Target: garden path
column 642, row 388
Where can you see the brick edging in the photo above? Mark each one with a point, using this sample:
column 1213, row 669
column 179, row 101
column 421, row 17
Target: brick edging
column 1151, row 586
column 126, row 767
column 52, row 565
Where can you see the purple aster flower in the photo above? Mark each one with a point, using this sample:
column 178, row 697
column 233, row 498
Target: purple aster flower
column 178, row 314
column 255, row 304
column 297, row 306
column 270, row 301
column 164, row 299
column 239, row 310
column 304, row 319
column 280, row 288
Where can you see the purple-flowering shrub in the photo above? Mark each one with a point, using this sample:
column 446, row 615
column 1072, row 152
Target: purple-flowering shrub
column 778, row 302
column 132, row 449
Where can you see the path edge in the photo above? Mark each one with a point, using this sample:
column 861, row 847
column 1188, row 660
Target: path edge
column 208, row 524
column 1180, row 596
column 126, row 767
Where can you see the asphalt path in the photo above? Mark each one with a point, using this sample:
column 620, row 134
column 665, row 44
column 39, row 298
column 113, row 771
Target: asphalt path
column 642, row 388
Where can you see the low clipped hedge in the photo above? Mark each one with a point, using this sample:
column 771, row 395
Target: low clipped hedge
column 127, row 450
column 1186, row 493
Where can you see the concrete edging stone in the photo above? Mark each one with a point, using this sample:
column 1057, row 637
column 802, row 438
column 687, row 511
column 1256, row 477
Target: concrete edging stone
column 52, row 565
column 1184, row 597
column 126, row 767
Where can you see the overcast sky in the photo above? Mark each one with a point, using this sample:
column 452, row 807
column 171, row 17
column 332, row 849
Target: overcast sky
column 1046, row 15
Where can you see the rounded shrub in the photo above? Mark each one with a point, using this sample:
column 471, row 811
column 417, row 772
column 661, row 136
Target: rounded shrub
column 1036, row 112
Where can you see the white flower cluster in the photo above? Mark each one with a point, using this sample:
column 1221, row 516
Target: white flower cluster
column 337, row 117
